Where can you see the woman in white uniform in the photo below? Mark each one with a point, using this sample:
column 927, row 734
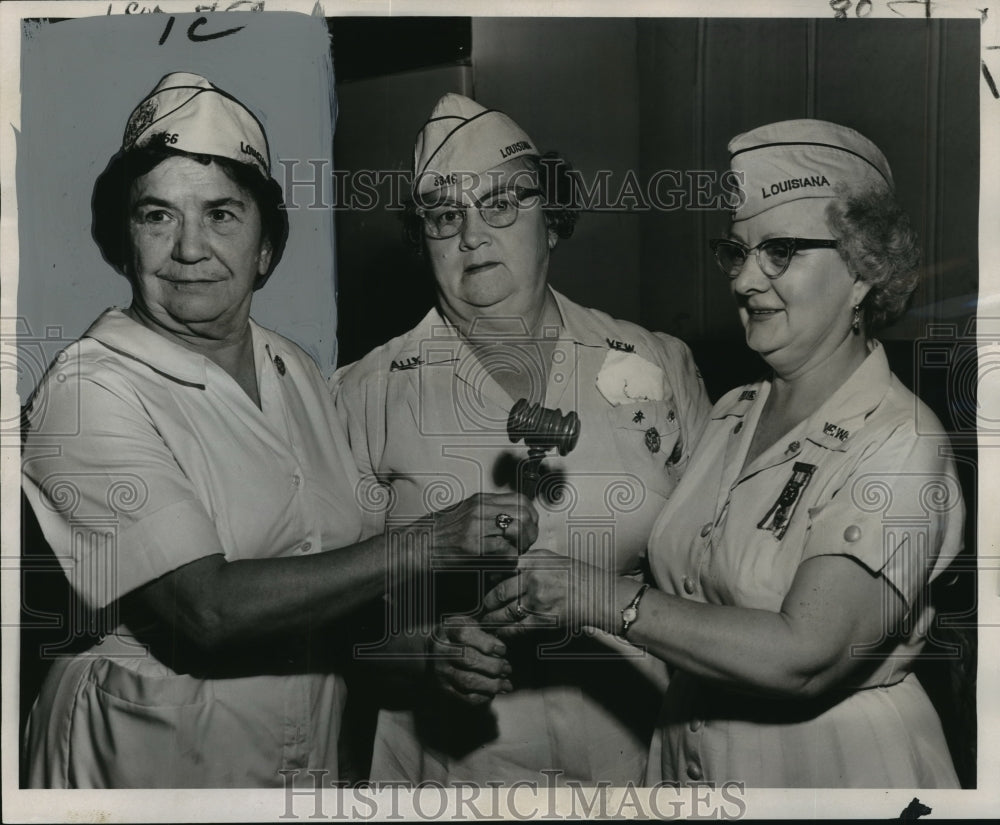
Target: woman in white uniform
column 792, row 564
column 190, row 473
column 426, row 415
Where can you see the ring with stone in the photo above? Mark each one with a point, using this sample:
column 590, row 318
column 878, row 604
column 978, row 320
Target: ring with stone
column 520, row 610
column 503, row 521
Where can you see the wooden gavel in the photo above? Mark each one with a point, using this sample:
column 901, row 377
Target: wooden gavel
column 542, row 430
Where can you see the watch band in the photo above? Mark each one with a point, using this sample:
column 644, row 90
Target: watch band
column 631, row 612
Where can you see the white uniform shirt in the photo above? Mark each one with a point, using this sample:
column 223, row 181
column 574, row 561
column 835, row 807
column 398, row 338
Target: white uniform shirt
column 855, row 479
column 426, row 418
column 144, row 456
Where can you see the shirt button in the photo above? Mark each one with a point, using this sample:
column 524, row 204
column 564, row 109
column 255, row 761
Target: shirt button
column 693, row 772
column 695, row 725
column 296, row 480
column 794, row 446
column 670, row 416
column 706, row 529
column 306, row 546
column 852, row 533
column 688, row 585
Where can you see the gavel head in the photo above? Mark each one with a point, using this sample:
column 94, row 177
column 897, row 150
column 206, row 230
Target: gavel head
column 542, row 428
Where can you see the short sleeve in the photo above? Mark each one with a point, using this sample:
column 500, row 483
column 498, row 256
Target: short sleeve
column 689, row 389
column 362, row 416
column 359, row 397
column 110, row 498
column 898, row 511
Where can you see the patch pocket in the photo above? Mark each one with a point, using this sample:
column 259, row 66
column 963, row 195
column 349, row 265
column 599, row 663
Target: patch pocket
column 647, row 436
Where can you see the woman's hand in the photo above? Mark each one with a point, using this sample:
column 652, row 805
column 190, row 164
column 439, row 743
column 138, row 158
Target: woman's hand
column 467, row 662
column 471, row 527
column 550, row 590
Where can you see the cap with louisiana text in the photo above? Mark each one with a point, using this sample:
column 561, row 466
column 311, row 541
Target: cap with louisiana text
column 185, row 111
column 461, row 138
column 796, row 159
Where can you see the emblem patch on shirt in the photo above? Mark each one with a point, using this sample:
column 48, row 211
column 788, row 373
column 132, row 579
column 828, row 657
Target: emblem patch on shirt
column 652, row 440
column 836, row 432
column 748, row 395
column 781, row 511
column 621, row 346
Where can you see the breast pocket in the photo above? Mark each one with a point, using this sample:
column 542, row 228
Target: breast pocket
column 647, row 437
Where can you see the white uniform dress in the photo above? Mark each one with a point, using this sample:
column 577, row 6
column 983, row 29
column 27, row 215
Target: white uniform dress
column 424, row 416
column 855, row 479
column 145, row 456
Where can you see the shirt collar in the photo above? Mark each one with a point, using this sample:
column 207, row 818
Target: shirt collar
column 740, row 403
column 115, row 330
column 840, row 415
column 844, row 412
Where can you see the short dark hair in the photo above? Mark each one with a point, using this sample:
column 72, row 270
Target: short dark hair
column 560, row 201
column 880, row 248
column 110, row 201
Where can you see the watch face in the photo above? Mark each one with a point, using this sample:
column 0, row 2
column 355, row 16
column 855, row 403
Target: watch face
column 629, row 615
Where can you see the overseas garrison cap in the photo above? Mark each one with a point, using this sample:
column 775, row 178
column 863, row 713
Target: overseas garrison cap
column 187, row 112
column 462, row 137
column 797, row 159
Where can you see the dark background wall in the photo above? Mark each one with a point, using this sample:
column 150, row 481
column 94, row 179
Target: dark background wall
column 650, row 95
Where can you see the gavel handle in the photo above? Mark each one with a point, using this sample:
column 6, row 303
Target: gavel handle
column 529, row 472
column 528, row 475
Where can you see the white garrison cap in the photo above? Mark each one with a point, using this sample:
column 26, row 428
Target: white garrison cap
column 461, row 138
column 797, row 159
column 187, row 112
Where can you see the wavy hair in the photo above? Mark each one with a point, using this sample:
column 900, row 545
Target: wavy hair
column 880, row 248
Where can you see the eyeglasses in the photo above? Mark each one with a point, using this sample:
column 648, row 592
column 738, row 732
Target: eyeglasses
column 498, row 209
column 773, row 255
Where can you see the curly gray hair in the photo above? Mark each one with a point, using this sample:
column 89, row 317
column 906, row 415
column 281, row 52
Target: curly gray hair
column 880, row 248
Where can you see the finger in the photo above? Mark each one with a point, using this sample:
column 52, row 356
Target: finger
column 541, row 558
column 453, row 659
column 470, row 698
column 512, row 631
column 467, row 681
column 512, row 613
column 521, row 507
column 526, row 535
column 473, row 636
column 499, row 545
column 472, row 661
column 506, row 591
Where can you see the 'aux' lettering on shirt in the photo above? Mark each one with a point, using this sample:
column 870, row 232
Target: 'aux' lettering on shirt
column 410, row 363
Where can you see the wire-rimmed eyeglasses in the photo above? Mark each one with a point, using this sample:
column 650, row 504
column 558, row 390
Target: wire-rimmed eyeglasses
column 773, row 255
column 497, row 209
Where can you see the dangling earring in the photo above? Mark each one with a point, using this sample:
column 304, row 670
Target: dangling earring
column 856, row 323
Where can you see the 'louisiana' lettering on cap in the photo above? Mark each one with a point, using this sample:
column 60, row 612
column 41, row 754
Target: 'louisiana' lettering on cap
column 794, row 183
column 514, row 148
column 249, row 150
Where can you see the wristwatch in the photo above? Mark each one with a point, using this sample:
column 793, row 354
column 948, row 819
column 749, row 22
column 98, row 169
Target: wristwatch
column 631, row 613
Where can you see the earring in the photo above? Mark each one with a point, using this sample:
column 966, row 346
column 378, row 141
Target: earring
column 856, row 322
